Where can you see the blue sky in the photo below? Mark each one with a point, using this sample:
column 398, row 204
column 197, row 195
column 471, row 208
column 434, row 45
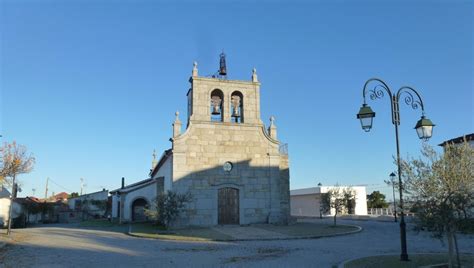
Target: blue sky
column 91, row 87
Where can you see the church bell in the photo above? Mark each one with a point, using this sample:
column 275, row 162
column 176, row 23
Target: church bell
column 216, row 110
column 216, row 103
column 236, row 113
column 235, row 99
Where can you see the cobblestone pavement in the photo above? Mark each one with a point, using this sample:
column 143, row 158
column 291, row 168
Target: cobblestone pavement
column 64, row 246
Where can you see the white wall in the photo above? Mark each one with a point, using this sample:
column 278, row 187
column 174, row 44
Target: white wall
column 305, row 205
column 361, row 200
column 115, row 200
column 102, row 195
column 148, row 193
column 166, row 172
column 5, row 210
column 309, row 204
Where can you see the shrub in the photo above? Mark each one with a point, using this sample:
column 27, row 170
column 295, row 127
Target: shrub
column 168, row 206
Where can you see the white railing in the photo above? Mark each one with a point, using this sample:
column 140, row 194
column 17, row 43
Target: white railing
column 385, row 212
column 380, row 211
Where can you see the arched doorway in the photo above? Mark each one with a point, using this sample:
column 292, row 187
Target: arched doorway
column 138, row 210
column 228, row 206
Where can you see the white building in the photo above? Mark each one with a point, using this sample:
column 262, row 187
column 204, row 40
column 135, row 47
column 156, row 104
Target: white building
column 307, row 201
column 5, row 207
column 468, row 138
column 129, row 202
column 87, row 202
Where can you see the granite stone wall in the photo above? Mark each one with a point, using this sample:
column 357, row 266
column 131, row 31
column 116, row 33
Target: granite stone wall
column 259, row 172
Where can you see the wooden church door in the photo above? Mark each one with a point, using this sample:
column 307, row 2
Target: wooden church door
column 228, row 206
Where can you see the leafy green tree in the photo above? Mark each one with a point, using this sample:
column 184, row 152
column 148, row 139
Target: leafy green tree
column 339, row 200
column 441, row 187
column 349, row 199
column 94, row 207
column 376, row 200
column 73, row 194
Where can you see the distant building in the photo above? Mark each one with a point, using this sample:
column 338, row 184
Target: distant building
column 5, row 206
column 468, row 138
column 94, row 204
column 307, row 201
column 29, row 208
column 61, row 197
column 20, row 208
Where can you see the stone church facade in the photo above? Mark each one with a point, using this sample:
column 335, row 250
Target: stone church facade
column 234, row 167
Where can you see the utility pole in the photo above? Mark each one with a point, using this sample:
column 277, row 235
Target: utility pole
column 82, row 185
column 46, row 191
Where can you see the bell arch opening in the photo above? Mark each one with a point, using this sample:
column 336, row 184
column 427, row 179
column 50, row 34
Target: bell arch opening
column 216, row 106
column 237, row 107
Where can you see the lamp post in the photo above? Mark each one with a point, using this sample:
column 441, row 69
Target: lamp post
column 424, row 129
column 392, row 180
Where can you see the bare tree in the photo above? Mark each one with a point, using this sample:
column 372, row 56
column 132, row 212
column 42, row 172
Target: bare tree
column 15, row 161
column 441, row 187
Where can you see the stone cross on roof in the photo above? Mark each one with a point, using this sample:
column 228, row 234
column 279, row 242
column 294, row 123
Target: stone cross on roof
column 195, row 69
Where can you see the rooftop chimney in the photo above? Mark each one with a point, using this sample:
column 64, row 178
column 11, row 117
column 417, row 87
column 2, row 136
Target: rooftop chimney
column 123, row 182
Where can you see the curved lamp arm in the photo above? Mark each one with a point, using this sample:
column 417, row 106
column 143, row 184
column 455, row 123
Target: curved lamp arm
column 376, row 92
column 410, row 98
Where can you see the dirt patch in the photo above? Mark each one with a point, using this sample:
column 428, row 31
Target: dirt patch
column 261, row 254
column 13, row 255
column 196, row 249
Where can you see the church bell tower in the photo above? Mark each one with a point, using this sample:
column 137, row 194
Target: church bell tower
column 219, row 100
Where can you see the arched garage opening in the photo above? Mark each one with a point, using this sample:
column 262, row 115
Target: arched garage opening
column 138, row 210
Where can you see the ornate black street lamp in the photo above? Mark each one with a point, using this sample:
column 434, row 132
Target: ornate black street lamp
column 424, row 129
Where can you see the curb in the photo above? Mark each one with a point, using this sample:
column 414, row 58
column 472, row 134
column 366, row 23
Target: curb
column 359, row 229
column 178, row 240
column 342, row 264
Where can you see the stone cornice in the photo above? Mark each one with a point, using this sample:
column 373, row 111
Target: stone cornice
column 209, row 79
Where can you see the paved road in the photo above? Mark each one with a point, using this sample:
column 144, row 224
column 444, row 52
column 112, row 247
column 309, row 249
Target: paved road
column 62, row 246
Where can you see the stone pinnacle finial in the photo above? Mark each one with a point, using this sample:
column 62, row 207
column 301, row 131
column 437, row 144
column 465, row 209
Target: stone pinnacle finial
column 254, row 75
column 176, row 125
column 272, row 129
column 195, row 69
column 154, row 162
